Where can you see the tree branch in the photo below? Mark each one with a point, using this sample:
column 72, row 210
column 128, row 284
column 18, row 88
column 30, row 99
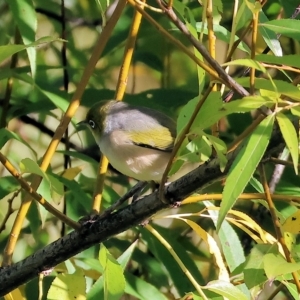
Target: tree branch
column 100, row 229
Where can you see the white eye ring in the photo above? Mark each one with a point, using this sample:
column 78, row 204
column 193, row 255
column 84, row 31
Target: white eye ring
column 92, row 124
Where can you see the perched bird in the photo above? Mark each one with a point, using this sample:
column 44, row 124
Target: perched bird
column 136, row 140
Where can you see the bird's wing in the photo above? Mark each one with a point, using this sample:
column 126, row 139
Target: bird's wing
column 159, row 138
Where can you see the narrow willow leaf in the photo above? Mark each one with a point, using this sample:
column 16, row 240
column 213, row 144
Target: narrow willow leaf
column 223, row 34
column 282, row 87
column 230, row 242
column 212, row 246
column 225, row 289
column 220, row 148
column 296, row 111
column 141, row 289
column 244, row 165
column 287, row 60
column 287, row 27
column 25, row 16
column 68, row 286
column 6, row 135
column 247, row 62
column 97, row 288
column 292, row 288
column 27, row 165
column 290, row 136
column 8, row 50
column 275, row 265
column 114, row 281
column 254, row 272
column 58, row 98
column 174, row 272
column 214, row 109
column 269, row 36
column 292, row 223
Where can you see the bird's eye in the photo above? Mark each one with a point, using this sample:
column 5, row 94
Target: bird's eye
column 92, row 124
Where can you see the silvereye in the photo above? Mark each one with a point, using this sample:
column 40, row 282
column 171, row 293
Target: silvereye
column 136, row 140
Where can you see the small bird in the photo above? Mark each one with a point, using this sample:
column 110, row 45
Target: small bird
column 136, row 140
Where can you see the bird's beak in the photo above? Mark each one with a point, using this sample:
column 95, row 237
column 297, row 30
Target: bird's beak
column 81, row 124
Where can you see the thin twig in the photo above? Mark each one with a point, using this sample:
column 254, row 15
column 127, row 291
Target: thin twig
column 9, row 84
column 75, row 102
column 67, row 159
column 179, row 142
column 10, row 210
column 29, row 190
column 176, row 42
column 216, row 66
column 276, row 223
column 133, row 191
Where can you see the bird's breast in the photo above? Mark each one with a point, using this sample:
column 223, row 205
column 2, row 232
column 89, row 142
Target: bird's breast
column 134, row 161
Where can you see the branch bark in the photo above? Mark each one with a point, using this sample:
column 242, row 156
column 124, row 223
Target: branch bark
column 100, row 229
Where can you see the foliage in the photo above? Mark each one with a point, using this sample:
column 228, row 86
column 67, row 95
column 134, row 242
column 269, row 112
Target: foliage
column 242, row 247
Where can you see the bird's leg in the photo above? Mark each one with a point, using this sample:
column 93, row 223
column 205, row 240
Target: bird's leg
column 131, row 193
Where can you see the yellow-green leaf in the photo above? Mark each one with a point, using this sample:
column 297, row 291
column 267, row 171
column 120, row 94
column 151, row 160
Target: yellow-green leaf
column 244, row 165
column 68, row 287
column 290, row 136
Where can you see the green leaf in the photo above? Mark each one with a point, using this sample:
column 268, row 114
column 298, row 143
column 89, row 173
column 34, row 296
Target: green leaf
column 27, row 165
column 292, row 288
column 79, row 155
column 275, row 265
column 8, row 50
column 214, row 109
column 25, row 16
column 76, row 191
column 8, row 184
column 58, row 98
column 282, row 87
column 68, row 287
column 125, row 257
column 181, row 282
column 269, row 36
column 254, row 273
column 220, row 148
column 287, row 27
column 230, row 242
column 6, row 135
column 141, row 289
column 287, row 60
column 244, row 165
column 223, row 34
column 213, row 101
column 199, row 150
column 114, row 281
column 50, row 185
column 97, row 287
column 296, row 111
column 225, row 289
column 290, row 136
column 247, row 62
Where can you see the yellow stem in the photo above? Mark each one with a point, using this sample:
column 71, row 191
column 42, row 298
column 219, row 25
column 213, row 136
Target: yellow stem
column 178, row 260
column 212, row 52
column 253, row 49
column 246, row 196
column 176, row 42
column 276, row 222
column 180, row 141
column 75, row 102
column 120, row 90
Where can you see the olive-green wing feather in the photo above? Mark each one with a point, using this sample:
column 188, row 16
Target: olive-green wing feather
column 160, row 138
